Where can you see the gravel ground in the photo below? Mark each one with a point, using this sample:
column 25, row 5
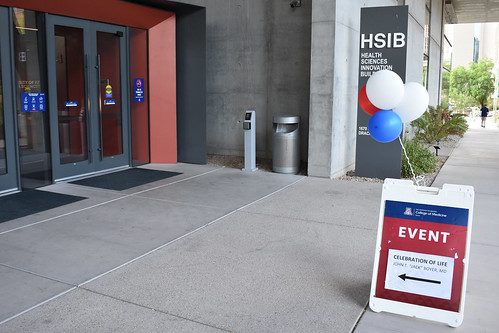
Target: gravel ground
column 264, row 164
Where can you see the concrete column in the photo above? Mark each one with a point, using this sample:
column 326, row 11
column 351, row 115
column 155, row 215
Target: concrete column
column 321, row 88
column 415, row 38
column 334, row 85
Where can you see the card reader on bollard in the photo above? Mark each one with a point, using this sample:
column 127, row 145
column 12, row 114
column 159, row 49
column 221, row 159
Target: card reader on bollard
column 249, row 141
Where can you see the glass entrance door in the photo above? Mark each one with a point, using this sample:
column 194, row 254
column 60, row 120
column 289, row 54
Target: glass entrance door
column 8, row 165
column 88, row 96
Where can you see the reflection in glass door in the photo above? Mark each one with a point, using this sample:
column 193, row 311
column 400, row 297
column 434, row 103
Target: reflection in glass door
column 30, row 94
column 71, row 104
column 8, row 167
column 88, row 97
column 109, row 78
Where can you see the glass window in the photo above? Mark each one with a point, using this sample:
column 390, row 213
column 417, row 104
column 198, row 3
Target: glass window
column 446, row 68
column 31, row 98
column 72, row 113
column 108, row 49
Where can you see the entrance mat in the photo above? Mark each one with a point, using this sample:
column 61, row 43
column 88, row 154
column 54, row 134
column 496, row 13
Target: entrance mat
column 123, row 180
column 30, row 202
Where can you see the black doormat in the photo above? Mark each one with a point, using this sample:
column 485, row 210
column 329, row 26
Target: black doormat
column 123, row 180
column 30, row 202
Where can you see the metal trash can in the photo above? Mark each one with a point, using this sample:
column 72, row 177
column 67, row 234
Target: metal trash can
column 286, row 144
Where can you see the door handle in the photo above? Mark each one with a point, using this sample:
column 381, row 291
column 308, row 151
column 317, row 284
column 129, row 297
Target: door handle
column 88, row 109
column 100, row 106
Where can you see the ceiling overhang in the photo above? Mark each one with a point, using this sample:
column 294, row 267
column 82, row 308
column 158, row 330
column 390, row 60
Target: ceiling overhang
column 471, row 11
column 110, row 11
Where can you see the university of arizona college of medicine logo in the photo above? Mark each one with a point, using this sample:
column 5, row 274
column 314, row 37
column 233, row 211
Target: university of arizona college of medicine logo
column 408, row 211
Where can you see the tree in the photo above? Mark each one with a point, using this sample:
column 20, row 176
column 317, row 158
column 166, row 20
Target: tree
column 458, row 90
column 472, row 86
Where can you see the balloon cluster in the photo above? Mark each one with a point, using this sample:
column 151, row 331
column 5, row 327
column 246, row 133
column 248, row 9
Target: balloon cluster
column 391, row 103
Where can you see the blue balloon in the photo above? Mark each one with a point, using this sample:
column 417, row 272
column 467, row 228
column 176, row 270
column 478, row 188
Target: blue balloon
column 385, row 126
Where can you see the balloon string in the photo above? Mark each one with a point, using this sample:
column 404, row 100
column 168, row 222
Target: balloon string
column 419, row 180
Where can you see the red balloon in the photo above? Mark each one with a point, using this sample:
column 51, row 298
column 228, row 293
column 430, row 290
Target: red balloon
column 365, row 103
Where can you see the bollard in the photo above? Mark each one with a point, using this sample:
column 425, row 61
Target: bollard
column 249, row 129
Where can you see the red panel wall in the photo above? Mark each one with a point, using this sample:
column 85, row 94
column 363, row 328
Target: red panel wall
column 140, row 110
column 162, row 92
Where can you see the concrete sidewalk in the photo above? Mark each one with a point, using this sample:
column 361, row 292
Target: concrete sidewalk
column 217, row 249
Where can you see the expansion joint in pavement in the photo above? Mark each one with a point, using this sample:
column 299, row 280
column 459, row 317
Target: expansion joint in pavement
column 153, row 309
column 38, row 274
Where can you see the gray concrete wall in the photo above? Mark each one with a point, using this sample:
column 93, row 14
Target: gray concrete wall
column 258, row 58
column 415, row 48
column 415, row 44
column 289, row 72
column 265, row 56
column 436, row 53
column 322, row 88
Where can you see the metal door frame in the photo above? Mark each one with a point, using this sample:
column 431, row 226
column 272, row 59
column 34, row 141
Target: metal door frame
column 94, row 163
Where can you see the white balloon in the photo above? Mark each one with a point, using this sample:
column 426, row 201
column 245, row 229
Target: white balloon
column 414, row 102
column 385, row 89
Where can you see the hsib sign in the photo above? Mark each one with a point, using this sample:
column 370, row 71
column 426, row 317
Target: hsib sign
column 383, row 46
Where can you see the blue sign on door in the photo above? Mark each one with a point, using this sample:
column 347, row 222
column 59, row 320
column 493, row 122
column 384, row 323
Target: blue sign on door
column 33, row 102
column 139, row 90
column 71, row 103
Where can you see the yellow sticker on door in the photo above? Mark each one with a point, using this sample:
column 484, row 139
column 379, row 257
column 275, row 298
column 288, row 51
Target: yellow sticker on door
column 109, row 91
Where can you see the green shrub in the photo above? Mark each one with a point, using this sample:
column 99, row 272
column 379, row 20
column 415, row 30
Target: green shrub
column 438, row 123
column 421, row 158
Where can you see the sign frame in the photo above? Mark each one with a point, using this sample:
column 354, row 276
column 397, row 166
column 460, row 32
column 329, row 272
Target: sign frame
column 456, row 199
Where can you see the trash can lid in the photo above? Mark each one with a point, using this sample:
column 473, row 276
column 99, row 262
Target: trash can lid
column 286, row 119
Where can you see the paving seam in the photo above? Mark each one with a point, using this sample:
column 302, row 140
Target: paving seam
column 104, row 203
column 153, row 309
column 111, row 297
column 354, row 327
column 312, row 221
column 37, row 274
column 482, row 244
column 180, row 202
